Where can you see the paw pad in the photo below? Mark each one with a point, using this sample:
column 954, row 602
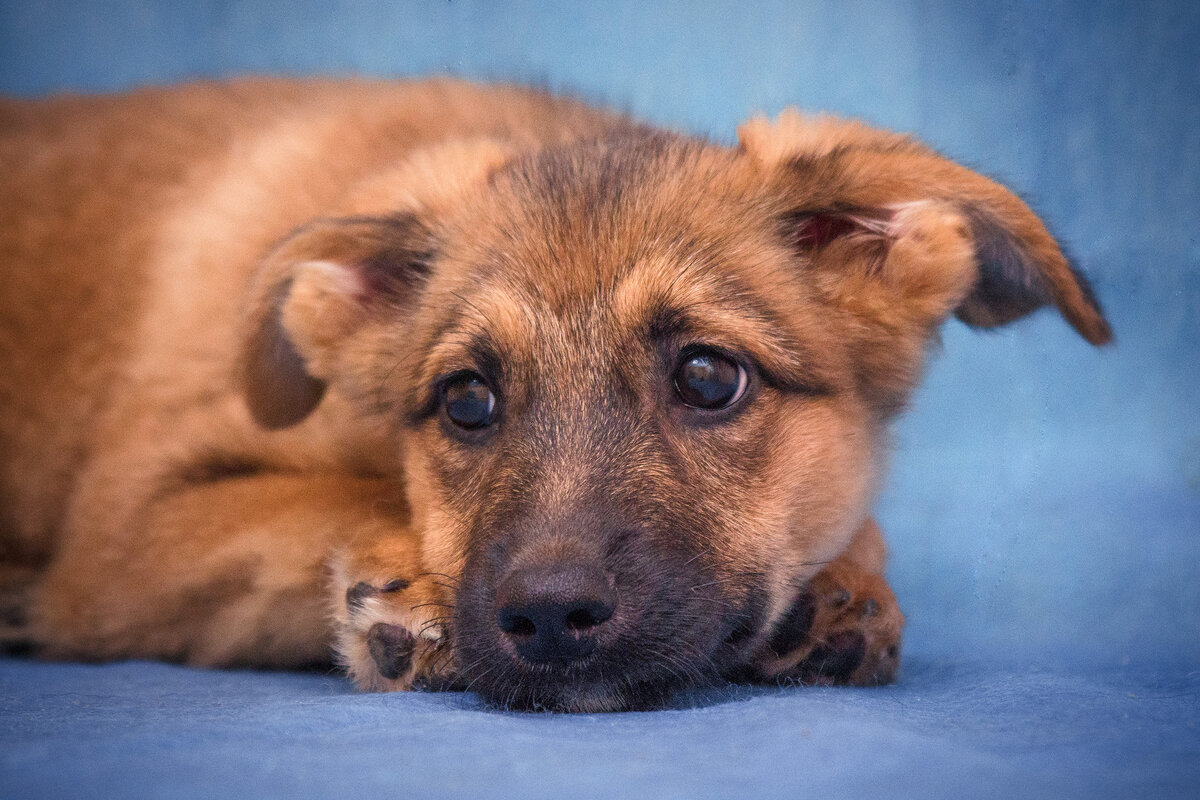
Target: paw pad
column 838, row 631
column 391, row 649
column 837, row 658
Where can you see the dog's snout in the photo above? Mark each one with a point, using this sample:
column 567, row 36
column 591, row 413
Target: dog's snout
column 552, row 613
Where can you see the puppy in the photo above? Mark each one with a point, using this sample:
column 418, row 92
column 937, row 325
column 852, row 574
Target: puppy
column 472, row 387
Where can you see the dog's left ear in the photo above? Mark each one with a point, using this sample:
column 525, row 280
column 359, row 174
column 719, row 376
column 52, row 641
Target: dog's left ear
column 319, row 287
column 903, row 237
column 332, row 278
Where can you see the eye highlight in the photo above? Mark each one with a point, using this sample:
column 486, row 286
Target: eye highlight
column 708, row 379
column 468, row 400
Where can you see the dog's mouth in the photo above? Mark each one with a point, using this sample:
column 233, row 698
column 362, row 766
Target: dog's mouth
column 596, row 685
column 588, row 652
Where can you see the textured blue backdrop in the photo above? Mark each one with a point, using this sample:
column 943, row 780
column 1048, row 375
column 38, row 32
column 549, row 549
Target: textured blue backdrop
column 1044, row 503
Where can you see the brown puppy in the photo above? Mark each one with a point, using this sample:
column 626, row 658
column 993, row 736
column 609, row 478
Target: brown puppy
column 472, row 386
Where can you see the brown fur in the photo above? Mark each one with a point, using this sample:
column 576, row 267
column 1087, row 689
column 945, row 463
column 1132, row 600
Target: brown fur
column 225, row 311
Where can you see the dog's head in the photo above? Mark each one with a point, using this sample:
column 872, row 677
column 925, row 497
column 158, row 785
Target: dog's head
column 641, row 384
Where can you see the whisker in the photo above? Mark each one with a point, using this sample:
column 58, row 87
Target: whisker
column 441, row 575
column 479, row 677
column 387, row 378
column 473, row 664
column 445, row 657
column 431, row 624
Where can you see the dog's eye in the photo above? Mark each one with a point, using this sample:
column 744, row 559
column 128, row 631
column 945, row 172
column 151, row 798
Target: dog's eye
column 709, row 379
column 468, row 401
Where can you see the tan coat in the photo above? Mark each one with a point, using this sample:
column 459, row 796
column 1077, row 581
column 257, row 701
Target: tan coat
column 226, row 312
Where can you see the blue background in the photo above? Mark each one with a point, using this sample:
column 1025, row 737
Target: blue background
column 1044, row 502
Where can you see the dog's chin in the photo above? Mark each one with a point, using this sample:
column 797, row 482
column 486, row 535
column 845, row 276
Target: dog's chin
column 579, row 693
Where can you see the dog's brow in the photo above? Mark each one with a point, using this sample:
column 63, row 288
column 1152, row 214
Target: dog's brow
column 787, row 361
column 459, row 347
column 728, row 315
column 477, row 332
column 456, row 349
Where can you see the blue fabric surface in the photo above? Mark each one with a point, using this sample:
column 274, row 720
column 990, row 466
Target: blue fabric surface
column 1044, row 502
column 948, row 729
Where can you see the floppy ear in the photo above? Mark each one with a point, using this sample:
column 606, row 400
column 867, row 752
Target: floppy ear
column 906, row 237
column 316, row 289
column 328, row 278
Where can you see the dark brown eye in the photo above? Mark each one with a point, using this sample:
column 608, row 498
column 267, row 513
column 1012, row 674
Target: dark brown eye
column 468, row 401
column 709, row 379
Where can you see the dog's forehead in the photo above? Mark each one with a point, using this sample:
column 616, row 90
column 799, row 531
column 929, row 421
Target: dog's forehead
column 565, row 224
column 593, row 249
column 554, row 290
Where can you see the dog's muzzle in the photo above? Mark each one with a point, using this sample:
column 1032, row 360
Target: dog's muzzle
column 588, row 624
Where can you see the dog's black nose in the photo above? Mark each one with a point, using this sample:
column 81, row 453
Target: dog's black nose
column 552, row 613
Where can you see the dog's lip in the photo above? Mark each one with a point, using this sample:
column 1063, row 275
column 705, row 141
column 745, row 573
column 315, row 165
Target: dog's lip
column 593, row 684
column 593, row 700
column 580, row 667
column 583, row 667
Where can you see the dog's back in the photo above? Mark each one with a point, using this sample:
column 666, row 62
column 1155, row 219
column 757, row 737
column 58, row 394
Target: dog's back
column 83, row 177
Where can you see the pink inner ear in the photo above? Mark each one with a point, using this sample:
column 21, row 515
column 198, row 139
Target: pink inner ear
column 815, row 229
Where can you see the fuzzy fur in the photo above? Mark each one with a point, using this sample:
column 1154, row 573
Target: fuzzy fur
column 226, row 310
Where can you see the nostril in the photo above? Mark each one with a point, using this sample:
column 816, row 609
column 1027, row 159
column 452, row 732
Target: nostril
column 515, row 624
column 581, row 620
column 589, row 616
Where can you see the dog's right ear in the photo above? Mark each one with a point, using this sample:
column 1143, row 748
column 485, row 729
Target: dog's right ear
column 865, row 201
column 317, row 288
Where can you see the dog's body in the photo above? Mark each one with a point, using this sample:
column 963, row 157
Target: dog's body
column 520, row 394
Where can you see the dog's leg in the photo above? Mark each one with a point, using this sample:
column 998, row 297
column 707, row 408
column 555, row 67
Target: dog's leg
column 238, row 571
column 844, row 627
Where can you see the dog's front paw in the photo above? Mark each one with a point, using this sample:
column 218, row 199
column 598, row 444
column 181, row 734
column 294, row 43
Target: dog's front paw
column 393, row 635
column 844, row 628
